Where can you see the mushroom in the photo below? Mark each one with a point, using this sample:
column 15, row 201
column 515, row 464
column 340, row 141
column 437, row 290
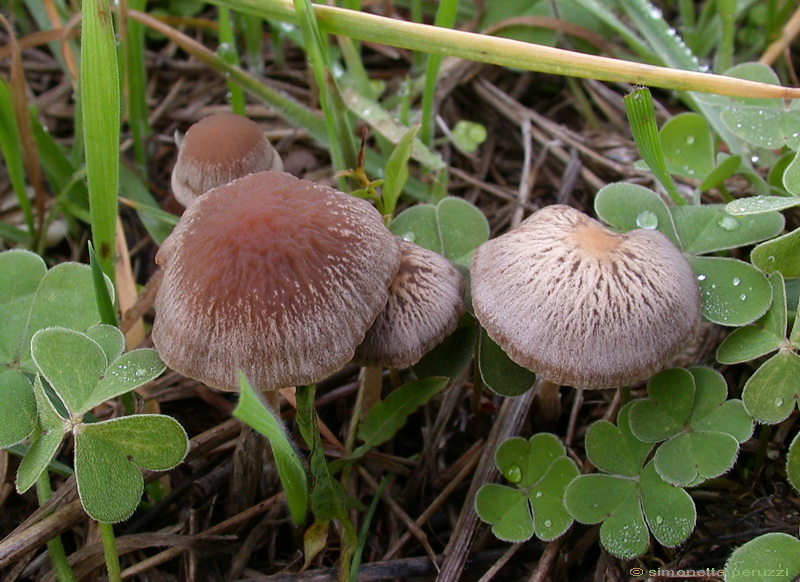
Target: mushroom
column 582, row 305
column 219, row 149
column 426, row 298
column 273, row 275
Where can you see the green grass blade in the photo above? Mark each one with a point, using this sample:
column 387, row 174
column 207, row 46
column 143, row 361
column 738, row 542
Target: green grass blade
column 253, row 40
column 642, row 119
column 727, row 13
column 673, row 52
column 100, row 93
column 13, row 156
column 362, row 535
column 505, row 52
column 445, row 18
column 337, row 122
column 136, row 88
column 228, row 53
column 105, row 305
column 252, row 410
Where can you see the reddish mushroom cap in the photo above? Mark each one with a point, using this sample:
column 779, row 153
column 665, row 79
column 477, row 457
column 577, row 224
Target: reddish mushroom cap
column 426, row 298
column 582, row 305
column 277, row 276
column 219, row 149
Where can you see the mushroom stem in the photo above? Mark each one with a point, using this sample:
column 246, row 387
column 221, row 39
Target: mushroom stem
column 248, row 462
column 549, row 401
column 573, row 416
column 477, row 385
column 273, row 398
column 370, row 384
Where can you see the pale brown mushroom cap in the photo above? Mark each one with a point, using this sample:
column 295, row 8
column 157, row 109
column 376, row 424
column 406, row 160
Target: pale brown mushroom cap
column 426, row 298
column 581, row 305
column 277, row 276
column 218, row 149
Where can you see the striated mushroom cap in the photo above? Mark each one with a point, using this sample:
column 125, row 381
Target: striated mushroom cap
column 426, row 298
column 277, row 276
column 219, row 149
column 581, row 305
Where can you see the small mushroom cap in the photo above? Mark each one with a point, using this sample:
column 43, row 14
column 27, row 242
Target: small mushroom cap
column 426, row 298
column 581, row 305
column 276, row 276
column 219, row 149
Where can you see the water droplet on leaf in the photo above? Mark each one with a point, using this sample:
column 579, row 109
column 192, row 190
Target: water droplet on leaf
column 729, row 223
column 647, row 219
column 513, row 473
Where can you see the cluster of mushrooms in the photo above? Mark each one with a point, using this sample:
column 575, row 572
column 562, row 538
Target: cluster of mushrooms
column 286, row 279
column 289, row 280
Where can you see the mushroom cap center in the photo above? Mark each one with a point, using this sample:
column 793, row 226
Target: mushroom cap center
column 596, row 241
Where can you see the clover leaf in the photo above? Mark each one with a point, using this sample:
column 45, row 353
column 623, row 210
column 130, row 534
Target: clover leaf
column 781, row 253
column 627, row 497
column 767, row 123
column 793, row 463
column 702, row 430
column 32, row 298
column 108, row 454
column 454, row 228
column 540, row 471
column 773, row 390
column 732, row 292
column 688, row 145
column 500, row 373
column 775, row 556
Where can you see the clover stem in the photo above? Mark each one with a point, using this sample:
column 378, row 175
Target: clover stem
column 58, row 557
column 110, row 551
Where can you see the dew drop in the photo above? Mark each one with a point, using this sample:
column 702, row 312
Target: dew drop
column 728, row 223
column 513, row 473
column 737, row 281
column 689, row 139
column 409, row 236
column 771, row 259
column 548, row 523
column 538, row 494
column 659, row 519
column 647, row 219
column 743, row 296
column 778, row 401
column 701, row 277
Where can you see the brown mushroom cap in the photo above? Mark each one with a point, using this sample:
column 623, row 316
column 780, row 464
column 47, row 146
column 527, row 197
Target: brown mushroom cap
column 426, row 298
column 219, row 149
column 277, row 276
column 581, row 305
